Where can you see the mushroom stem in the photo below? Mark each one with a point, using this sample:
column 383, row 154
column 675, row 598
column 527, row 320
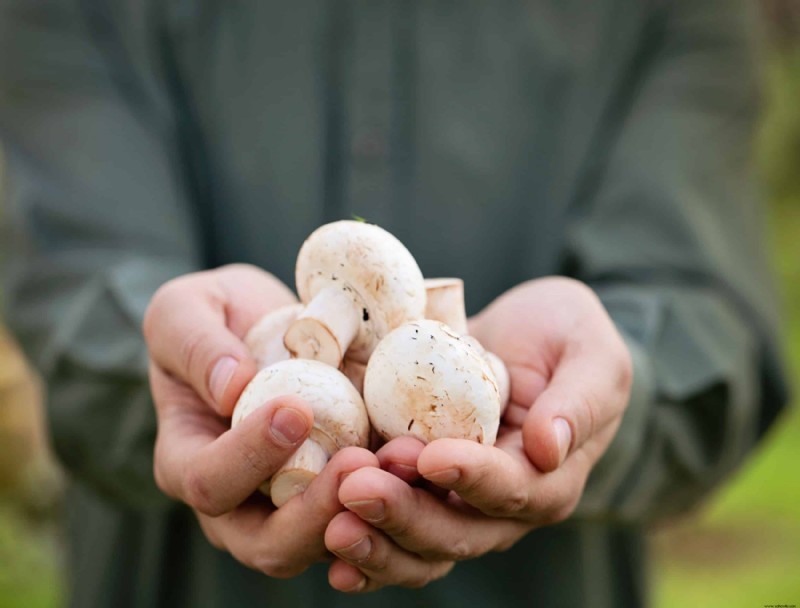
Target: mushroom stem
column 445, row 303
column 298, row 472
column 325, row 329
column 340, row 417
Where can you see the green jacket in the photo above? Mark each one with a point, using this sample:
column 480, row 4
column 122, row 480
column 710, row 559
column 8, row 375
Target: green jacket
column 606, row 140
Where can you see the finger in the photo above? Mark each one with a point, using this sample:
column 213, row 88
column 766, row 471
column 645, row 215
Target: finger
column 194, row 325
column 421, row 523
column 283, row 542
column 213, row 469
column 487, row 478
column 399, row 457
column 349, row 579
column 374, row 554
column 527, row 383
column 588, row 392
column 515, row 414
column 501, row 482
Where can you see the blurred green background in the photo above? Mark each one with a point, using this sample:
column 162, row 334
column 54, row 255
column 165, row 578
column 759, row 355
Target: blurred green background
column 740, row 549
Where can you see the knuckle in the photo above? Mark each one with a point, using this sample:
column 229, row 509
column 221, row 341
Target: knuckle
column 192, row 349
column 255, row 460
column 397, row 525
column 275, row 566
column 377, row 561
column 457, row 551
column 474, row 481
column 197, row 493
column 460, row 550
column 515, row 501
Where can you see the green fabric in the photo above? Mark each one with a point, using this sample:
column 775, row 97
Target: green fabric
column 500, row 141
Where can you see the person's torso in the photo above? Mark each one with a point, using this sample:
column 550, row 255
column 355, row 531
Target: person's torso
column 463, row 128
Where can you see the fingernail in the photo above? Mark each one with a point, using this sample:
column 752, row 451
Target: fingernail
column 220, row 377
column 288, row 426
column 358, row 586
column 446, row 477
column 368, row 510
column 358, row 551
column 564, row 437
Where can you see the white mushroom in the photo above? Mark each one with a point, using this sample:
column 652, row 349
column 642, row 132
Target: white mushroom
column 265, row 341
column 445, row 303
column 426, row 381
column 499, row 370
column 358, row 283
column 340, row 418
column 265, row 338
column 502, row 377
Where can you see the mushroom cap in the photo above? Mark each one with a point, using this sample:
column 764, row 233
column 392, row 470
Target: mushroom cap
column 340, row 418
column 373, row 267
column 425, row 381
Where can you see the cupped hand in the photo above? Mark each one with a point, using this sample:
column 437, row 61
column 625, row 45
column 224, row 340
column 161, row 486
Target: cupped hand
column 199, row 365
column 427, row 507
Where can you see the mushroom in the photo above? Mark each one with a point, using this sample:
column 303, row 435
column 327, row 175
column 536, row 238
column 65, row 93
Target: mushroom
column 358, row 282
column 445, row 303
column 499, row 370
column 340, row 418
column 502, row 377
column 426, row 381
column 265, row 338
column 265, row 341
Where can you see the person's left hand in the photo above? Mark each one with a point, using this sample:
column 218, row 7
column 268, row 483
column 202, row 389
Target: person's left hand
column 427, row 507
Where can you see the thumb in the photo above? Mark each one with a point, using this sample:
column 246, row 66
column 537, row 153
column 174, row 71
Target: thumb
column 586, row 394
column 548, row 437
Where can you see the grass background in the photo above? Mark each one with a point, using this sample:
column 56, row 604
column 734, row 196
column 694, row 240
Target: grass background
column 741, row 549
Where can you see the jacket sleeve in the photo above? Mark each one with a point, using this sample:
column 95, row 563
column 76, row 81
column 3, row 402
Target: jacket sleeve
column 666, row 226
column 94, row 219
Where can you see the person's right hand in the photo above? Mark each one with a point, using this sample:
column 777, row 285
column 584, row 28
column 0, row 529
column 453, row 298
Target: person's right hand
column 199, row 366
